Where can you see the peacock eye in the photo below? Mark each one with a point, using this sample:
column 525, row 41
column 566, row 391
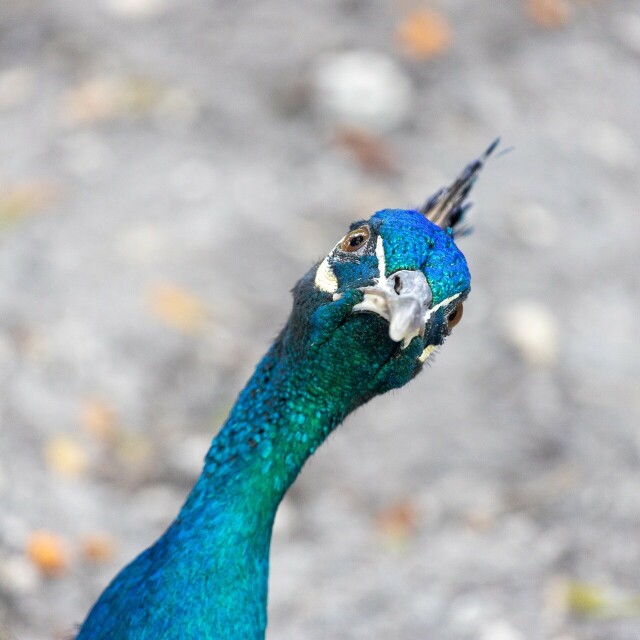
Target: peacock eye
column 454, row 317
column 355, row 239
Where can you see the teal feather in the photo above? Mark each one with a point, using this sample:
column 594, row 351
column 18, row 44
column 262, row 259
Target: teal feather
column 207, row 575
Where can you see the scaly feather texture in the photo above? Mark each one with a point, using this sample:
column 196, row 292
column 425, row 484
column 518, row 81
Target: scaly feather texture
column 206, row 577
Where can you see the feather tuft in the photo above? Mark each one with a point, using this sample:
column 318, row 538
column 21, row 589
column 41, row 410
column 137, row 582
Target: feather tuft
column 448, row 206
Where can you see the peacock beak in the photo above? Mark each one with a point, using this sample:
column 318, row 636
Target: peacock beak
column 403, row 299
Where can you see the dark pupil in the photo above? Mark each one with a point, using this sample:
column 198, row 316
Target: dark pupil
column 356, row 240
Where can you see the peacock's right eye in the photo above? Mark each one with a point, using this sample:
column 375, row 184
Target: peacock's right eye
column 355, row 239
column 454, row 317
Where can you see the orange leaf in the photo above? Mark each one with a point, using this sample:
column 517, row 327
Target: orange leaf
column 424, row 34
column 178, row 308
column 397, row 521
column 97, row 548
column 99, row 419
column 47, row 551
column 548, row 14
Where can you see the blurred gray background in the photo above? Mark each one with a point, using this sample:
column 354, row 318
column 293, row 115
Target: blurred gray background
column 168, row 169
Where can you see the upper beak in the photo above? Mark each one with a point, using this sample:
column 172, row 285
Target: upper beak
column 403, row 299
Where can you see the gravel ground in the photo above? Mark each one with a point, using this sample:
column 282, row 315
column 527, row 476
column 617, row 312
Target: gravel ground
column 168, row 169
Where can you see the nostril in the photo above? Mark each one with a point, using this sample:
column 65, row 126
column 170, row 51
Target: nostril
column 397, row 285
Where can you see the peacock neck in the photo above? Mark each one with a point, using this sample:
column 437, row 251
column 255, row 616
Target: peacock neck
column 279, row 419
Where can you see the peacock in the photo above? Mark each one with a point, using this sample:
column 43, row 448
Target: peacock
column 364, row 321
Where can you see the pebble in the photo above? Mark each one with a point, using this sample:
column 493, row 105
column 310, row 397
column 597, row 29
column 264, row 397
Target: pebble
column 532, row 330
column 611, row 145
column 364, row 89
column 134, row 9
column 534, row 225
column 177, row 109
column 18, row 575
column 17, row 86
column 193, row 181
column 86, row 156
column 626, row 26
column 500, row 630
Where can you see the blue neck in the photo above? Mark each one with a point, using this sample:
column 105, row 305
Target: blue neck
column 278, row 421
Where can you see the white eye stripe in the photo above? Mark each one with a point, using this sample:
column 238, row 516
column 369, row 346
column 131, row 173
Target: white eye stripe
column 382, row 263
column 325, row 279
column 444, row 303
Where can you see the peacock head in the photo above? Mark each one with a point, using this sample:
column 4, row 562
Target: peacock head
column 409, row 270
column 388, row 293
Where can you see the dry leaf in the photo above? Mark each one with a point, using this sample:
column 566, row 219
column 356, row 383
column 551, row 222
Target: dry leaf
column 424, row 34
column 47, row 551
column 99, row 419
column 65, row 456
column 549, row 14
column 21, row 200
column 97, row 548
column 369, row 151
column 178, row 308
column 397, row 521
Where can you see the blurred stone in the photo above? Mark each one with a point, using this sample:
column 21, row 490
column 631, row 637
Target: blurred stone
column 17, row 86
column 86, row 155
column 48, row 553
column 532, row 330
column 500, row 630
column 142, row 244
column 607, row 142
column 363, row 89
column 534, row 225
column 626, row 26
column 135, row 9
column 193, row 181
column 424, row 34
column 18, row 575
column 177, row 108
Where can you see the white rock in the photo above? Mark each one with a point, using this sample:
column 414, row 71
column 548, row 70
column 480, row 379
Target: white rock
column 610, row 144
column 134, row 9
column 532, row 330
column 534, row 225
column 18, row 575
column 17, row 86
column 363, row 89
column 500, row 630
column 627, row 27
column 193, row 181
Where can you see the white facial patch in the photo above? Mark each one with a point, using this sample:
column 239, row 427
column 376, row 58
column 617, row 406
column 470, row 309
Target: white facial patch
column 325, row 279
column 382, row 263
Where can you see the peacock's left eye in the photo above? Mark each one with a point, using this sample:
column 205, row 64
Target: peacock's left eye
column 355, row 239
column 454, row 317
